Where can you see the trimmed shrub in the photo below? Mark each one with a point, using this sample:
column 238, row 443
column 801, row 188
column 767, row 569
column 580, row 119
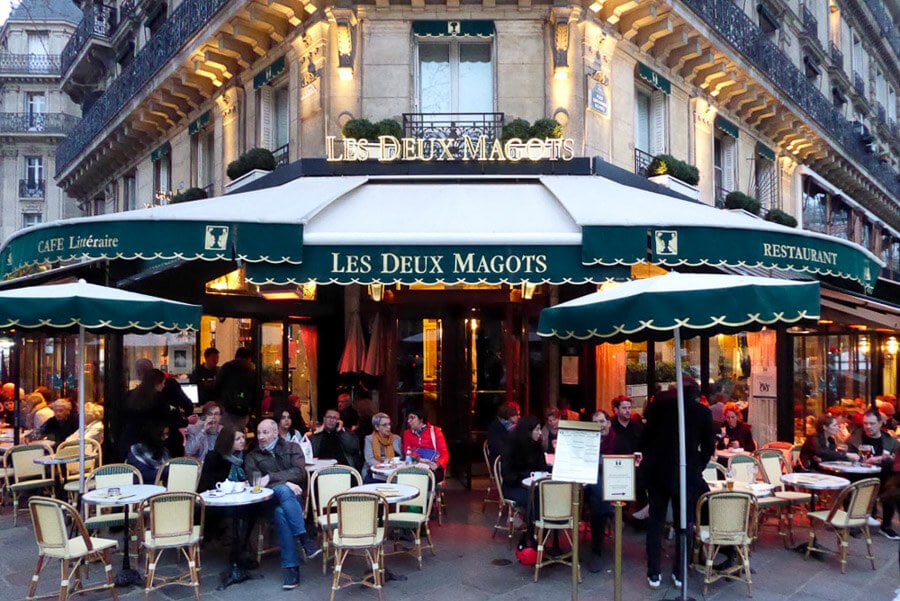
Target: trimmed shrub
column 255, row 158
column 517, row 128
column 739, row 200
column 779, row 216
column 188, row 195
column 546, row 128
column 666, row 164
column 389, row 127
column 359, row 129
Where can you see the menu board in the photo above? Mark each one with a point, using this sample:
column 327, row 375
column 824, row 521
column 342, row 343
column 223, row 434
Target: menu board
column 618, row 478
column 577, row 452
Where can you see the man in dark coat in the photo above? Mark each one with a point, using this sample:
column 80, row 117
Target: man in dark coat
column 204, row 376
column 237, row 390
column 659, row 445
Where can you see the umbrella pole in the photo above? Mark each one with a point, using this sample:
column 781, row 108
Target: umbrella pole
column 682, row 467
column 81, row 365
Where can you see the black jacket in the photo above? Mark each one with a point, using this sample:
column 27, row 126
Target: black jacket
column 659, row 442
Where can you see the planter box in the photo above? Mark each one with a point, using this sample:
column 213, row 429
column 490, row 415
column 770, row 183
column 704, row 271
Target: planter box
column 676, row 185
column 245, row 179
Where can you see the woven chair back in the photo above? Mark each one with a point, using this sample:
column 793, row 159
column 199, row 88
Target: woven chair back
column 423, row 480
column 729, row 517
column 22, row 461
column 358, row 518
column 556, row 500
column 50, row 529
column 329, row 481
column 171, row 516
column 183, row 474
column 116, row 474
column 744, row 468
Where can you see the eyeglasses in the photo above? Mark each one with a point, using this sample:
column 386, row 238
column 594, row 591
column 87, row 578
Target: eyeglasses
column 285, row 417
column 384, row 424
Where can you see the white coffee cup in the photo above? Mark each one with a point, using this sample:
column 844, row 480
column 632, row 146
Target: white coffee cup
column 537, row 475
column 237, row 487
column 226, row 486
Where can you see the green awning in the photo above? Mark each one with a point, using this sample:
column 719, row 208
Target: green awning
column 160, row 152
column 437, row 264
column 274, row 69
column 198, row 124
column 764, row 151
column 727, row 126
column 471, row 28
column 654, row 79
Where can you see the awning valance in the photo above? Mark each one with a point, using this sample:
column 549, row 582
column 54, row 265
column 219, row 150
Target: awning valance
column 199, row 124
column 765, row 152
column 274, row 69
column 653, row 78
column 160, row 152
column 724, row 125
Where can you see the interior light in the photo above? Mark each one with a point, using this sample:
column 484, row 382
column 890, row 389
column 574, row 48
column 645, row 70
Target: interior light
column 281, row 295
column 891, row 345
column 376, row 291
column 528, row 290
column 345, row 73
column 864, row 346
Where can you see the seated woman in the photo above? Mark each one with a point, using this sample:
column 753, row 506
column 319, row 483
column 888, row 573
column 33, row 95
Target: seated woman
column 822, row 446
column 380, row 446
column 286, row 418
column 93, row 423
column 150, row 452
column 226, row 462
column 523, row 454
column 735, row 433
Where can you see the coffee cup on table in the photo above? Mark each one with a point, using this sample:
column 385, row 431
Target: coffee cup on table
column 226, row 486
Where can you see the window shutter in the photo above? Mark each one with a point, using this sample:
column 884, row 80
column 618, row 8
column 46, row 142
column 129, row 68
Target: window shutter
column 282, row 114
column 642, row 121
column 265, row 117
column 729, row 162
column 659, row 122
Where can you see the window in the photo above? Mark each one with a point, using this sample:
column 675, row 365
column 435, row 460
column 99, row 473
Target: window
column 815, row 207
column 768, row 20
column 274, row 121
column 98, row 206
column 34, row 171
column 839, row 220
column 162, row 183
column 29, row 219
column 35, row 108
column 455, row 76
column 764, row 178
column 650, row 120
column 203, row 146
column 892, row 106
column 724, row 165
column 38, row 49
column 129, row 192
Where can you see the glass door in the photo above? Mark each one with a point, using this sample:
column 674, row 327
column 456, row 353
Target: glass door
column 303, row 369
column 419, row 361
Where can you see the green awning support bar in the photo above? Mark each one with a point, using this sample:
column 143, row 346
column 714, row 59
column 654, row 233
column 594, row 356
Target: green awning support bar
column 199, row 124
column 472, row 28
column 765, row 152
column 654, row 79
column 724, row 125
column 160, row 152
column 275, row 68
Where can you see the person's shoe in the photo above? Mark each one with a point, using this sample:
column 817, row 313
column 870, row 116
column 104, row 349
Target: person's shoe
column 873, row 521
column 889, row 532
column 594, row 563
column 310, row 547
column 291, row 578
column 676, row 580
column 654, row 581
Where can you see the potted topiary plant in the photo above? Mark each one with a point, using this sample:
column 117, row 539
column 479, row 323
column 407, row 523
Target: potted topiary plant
column 189, row 195
column 251, row 165
column 546, row 128
column 675, row 175
column 517, row 128
column 739, row 200
column 779, row 216
column 359, row 129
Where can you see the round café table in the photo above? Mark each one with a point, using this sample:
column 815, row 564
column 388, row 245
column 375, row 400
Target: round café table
column 133, row 493
column 54, row 461
column 849, row 469
column 812, row 481
column 384, row 470
column 214, row 498
column 757, row 489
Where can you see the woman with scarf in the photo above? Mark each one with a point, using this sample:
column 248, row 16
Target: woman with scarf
column 150, row 453
column 380, row 446
column 498, row 431
column 226, row 462
column 522, row 456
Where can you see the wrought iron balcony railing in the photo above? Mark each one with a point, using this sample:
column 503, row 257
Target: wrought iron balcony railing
column 642, row 162
column 721, row 193
column 810, row 24
column 859, row 84
column 837, row 57
column 98, row 22
column 885, row 24
column 31, row 189
column 281, row 155
column 727, row 19
column 882, row 114
column 51, row 123
column 443, row 126
column 181, row 26
column 208, row 188
column 29, row 64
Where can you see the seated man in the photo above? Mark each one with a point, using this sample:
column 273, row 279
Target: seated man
column 883, row 451
column 283, row 469
column 59, row 427
column 333, row 441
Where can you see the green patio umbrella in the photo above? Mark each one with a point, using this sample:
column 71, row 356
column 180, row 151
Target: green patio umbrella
column 81, row 306
column 676, row 305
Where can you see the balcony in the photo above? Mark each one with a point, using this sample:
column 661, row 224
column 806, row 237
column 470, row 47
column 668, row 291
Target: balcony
column 47, row 123
column 859, row 84
column 882, row 114
column 28, row 64
column 30, row 189
column 281, row 155
column 642, row 162
column 719, row 199
column 837, row 57
column 442, row 126
column 91, row 40
column 810, row 24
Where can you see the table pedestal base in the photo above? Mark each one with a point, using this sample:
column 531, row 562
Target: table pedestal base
column 128, row 577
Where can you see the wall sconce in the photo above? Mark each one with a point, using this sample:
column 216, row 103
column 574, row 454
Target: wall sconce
column 376, row 291
column 345, row 47
column 560, row 22
column 891, row 346
column 864, row 346
column 528, row 290
column 308, row 291
column 212, row 325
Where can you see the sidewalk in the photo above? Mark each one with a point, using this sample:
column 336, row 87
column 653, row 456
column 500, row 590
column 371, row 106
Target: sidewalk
column 470, row 566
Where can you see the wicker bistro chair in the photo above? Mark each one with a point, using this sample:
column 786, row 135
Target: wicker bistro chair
column 414, row 514
column 491, row 495
column 858, row 498
column 23, row 475
column 357, row 530
column 732, row 518
column 326, row 483
column 555, row 501
column 774, row 464
column 508, row 505
column 181, row 474
column 744, row 468
column 52, row 520
column 174, row 523
column 98, row 517
column 712, row 471
column 68, row 472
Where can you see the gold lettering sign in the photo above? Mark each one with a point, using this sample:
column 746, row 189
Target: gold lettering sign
column 390, row 149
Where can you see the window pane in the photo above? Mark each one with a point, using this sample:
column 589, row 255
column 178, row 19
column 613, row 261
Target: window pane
column 476, row 81
column 642, row 120
column 434, row 76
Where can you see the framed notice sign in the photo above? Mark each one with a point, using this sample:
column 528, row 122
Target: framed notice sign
column 577, row 452
column 618, row 478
